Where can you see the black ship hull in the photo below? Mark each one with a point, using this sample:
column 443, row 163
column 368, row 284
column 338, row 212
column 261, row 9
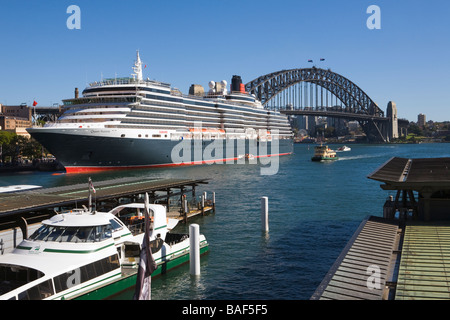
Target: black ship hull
column 79, row 152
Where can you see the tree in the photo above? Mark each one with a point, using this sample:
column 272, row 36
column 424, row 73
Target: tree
column 414, row 128
column 14, row 146
column 6, row 138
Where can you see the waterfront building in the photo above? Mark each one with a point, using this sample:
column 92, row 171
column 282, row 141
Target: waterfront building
column 15, row 119
column 421, row 120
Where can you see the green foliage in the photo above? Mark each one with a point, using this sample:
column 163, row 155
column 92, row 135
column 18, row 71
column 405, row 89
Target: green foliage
column 14, row 147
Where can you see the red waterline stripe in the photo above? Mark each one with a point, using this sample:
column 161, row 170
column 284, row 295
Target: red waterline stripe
column 99, row 169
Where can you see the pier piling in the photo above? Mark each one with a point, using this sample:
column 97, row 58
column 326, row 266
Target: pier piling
column 265, row 214
column 194, row 249
column 203, row 204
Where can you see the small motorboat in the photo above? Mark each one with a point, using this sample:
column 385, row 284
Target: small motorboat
column 344, row 148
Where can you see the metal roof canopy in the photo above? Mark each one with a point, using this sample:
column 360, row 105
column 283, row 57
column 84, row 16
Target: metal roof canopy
column 414, row 174
column 16, row 203
column 430, row 177
column 423, row 270
column 370, row 249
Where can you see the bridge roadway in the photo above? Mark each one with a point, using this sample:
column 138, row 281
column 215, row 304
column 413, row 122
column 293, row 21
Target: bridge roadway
column 334, row 114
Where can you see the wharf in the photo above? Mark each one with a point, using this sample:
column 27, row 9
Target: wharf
column 404, row 255
column 25, row 210
column 110, row 191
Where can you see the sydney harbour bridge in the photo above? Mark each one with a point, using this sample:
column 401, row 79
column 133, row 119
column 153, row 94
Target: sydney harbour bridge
column 317, row 92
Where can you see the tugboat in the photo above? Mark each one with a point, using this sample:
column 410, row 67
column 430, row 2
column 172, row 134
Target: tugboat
column 88, row 255
column 323, row 153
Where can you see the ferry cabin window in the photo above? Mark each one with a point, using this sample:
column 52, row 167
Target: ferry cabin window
column 72, row 234
column 116, row 225
column 85, row 273
column 38, row 292
column 12, row 277
column 132, row 250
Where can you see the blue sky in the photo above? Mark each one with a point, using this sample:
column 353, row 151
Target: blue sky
column 186, row 42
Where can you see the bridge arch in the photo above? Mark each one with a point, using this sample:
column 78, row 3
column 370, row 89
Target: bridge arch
column 268, row 86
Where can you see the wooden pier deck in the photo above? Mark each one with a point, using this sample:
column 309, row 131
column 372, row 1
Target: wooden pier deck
column 71, row 195
column 191, row 214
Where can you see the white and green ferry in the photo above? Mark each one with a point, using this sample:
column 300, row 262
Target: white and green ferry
column 82, row 254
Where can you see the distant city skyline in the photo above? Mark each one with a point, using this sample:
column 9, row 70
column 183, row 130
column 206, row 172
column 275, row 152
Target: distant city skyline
column 184, row 43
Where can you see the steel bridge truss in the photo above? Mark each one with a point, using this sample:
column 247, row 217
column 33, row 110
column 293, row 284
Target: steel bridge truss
column 356, row 101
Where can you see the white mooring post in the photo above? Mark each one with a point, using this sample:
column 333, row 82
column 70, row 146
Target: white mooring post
column 194, row 249
column 265, row 214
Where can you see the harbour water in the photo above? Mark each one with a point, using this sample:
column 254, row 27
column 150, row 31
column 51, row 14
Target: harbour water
column 314, row 209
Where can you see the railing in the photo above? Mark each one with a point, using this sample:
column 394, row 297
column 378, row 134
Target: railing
column 114, row 81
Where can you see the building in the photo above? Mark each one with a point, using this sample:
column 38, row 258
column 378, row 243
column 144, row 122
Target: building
column 391, row 113
column 421, row 120
column 15, row 119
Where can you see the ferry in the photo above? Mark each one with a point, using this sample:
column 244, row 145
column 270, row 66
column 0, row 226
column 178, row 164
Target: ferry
column 323, row 153
column 133, row 122
column 88, row 255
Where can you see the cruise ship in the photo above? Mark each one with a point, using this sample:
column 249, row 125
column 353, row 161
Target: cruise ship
column 132, row 122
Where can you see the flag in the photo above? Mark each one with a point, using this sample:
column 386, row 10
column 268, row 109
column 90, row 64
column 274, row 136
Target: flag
column 322, row 59
column 146, row 262
column 91, row 185
column 310, row 61
column 34, row 103
column 145, row 66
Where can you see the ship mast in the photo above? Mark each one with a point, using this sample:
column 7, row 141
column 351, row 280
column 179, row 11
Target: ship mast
column 137, row 68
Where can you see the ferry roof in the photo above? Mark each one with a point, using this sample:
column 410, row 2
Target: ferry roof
column 79, row 219
column 414, row 173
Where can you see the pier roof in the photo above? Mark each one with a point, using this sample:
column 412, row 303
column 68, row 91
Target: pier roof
column 38, row 199
column 414, row 174
column 423, row 271
column 369, row 251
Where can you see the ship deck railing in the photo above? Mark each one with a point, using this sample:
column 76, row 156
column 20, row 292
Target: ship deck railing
column 115, row 81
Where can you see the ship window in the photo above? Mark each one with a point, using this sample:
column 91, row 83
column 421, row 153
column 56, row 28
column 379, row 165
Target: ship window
column 122, row 135
column 38, row 292
column 132, row 250
column 72, row 234
column 85, row 273
column 12, row 277
column 115, row 224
